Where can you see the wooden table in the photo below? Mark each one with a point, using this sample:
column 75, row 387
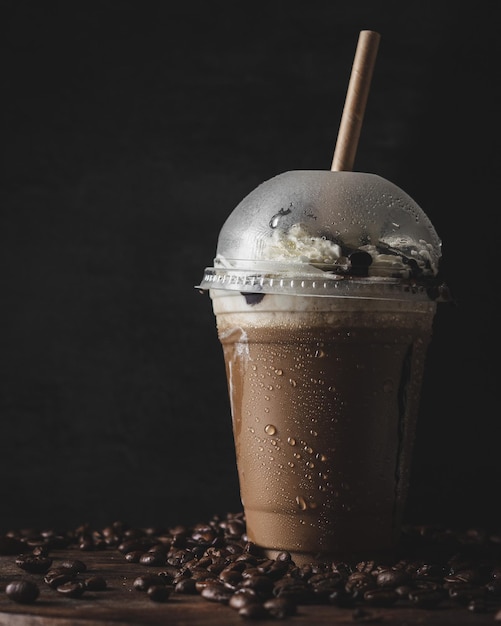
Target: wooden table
column 122, row 605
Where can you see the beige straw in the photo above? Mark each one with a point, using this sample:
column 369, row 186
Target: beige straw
column 356, row 99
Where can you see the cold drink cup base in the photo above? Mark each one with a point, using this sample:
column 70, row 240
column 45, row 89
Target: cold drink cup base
column 324, row 396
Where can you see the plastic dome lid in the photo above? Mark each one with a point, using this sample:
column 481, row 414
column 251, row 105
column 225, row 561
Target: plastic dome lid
column 325, row 232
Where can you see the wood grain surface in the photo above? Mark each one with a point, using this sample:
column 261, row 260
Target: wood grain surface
column 122, row 605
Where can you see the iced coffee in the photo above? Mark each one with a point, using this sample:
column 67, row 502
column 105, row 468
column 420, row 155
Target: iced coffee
column 324, row 288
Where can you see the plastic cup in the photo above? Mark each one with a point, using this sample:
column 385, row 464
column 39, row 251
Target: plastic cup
column 324, row 325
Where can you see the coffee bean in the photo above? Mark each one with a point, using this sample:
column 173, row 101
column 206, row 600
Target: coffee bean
column 362, row 615
column 95, row 583
column 391, row 577
column 242, row 597
column 34, row 564
column 74, row 565
column 158, row 593
column 133, row 556
column 426, row 598
column 186, row 585
column 381, row 597
column 280, row 608
column 216, row 592
column 152, row 559
column 57, row 577
column 22, row 591
column 341, row 598
column 254, row 610
column 261, row 584
column 144, row 582
column 71, row 588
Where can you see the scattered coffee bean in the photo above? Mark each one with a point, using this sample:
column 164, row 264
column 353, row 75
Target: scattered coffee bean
column 56, row 577
column 254, row 611
column 216, row 592
column 71, row 588
column 74, row 565
column 158, row 593
column 280, row 608
column 133, row 556
column 22, row 591
column 143, row 583
column 186, row 585
column 34, row 564
column 95, row 583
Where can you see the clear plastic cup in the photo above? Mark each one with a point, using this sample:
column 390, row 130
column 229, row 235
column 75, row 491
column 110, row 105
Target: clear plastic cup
column 324, row 288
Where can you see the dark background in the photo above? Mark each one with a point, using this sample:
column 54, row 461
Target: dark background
column 130, row 130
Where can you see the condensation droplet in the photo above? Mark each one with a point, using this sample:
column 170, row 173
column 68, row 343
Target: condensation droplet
column 308, row 449
column 292, row 382
column 279, row 372
column 297, row 455
column 314, row 433
column 251, row 430
column 270, row 429
column 321, row 457
column 301, row 502
column 291, row 441
column 290, row 464
column 310, row 465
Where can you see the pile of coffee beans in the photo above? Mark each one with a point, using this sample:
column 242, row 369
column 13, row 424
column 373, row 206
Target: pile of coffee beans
column 435, row 568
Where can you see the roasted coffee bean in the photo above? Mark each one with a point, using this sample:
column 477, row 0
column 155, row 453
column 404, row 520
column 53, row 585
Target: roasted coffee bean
column 155, row 559
column 295, row 589
column 95, row 583
column 74, row 565
column 57, row 577
column 341, row 598
column 426, row 598
column 364, row 616
column 71, row 588
column 144, row 582
column 360, row 581
column 381, row 597
column 216, row 592
column 22, row 591
column 284, row 557
column 40, row 551
column 391, row 577
column 324, row 584
column 34, row 564
column 431, row 570
column 230, row 577
column 158, row 593
column 280, row 608
column 186, row 585
column 260, row 584
column 133, row 556
column 254, row 610
column 243, row 597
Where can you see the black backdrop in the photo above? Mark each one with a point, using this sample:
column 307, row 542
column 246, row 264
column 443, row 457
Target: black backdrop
column 130, row 131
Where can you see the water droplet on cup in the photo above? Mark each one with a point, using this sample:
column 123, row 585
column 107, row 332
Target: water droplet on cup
column 269, row 429
column 301, row 502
